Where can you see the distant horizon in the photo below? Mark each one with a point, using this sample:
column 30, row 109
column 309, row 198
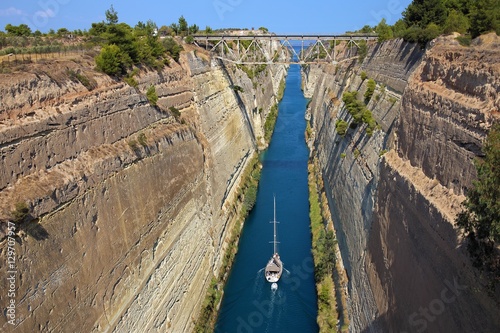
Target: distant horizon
column 317, row 17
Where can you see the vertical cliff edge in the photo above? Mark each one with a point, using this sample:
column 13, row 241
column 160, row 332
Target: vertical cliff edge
column 394, row 195
column 130, row 204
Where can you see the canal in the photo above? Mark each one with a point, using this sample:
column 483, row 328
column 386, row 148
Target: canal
column 249, row 305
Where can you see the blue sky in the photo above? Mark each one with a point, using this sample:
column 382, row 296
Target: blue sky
column 309, row 16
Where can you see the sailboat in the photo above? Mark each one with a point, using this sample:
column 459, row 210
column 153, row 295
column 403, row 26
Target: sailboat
column 274, row 267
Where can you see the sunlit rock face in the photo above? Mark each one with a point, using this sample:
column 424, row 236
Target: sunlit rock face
column 132, row 203
column 395, row 194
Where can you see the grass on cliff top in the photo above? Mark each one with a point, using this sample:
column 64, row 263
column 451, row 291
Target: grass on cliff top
column 244, row 204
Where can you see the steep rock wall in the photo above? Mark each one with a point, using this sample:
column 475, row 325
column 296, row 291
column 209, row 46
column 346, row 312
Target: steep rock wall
column 388, row 209
column 417, row 259
column 350, row 163
column 130, row 202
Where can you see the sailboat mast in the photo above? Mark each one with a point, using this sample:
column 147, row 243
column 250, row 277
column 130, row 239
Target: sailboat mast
column 275, row 251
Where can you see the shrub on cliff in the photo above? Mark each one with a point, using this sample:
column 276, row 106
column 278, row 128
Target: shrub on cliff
column 175, row 112
column 371, row 85
column 151, row 95
column 353, row 105
column 172, row 48
column 362, row 50
column 20, row 213
column 359, row 112
column 341, row 127
column 112, row 61
column 480, row 220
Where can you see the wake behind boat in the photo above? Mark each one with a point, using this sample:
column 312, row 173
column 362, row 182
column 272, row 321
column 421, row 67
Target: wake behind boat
column 274, row 267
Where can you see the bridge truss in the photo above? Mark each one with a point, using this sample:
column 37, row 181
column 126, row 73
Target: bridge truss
column 269, row 49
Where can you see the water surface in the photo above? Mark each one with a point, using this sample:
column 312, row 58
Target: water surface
column 249, row 305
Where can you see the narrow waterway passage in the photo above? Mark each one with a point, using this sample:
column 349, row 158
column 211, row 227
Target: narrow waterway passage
column 249, row 305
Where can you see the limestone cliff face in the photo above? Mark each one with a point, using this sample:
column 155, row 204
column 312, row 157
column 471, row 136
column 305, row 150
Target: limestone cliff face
column 131, row 204
column 394, row 211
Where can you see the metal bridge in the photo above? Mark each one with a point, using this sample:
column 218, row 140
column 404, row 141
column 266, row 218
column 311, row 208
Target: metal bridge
column 268, row 49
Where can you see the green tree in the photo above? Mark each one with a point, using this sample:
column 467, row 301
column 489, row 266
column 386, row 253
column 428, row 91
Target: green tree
column 175, row 28
column 172, row 48
column 183, row 26
column 384, row 31
column 423, row 12
column 399, row 28
column 482, row 215
column 341, row 127
column 484, row 17
column 480, row 219
column 371, row 85
column 456, row 22
column 20, row 30
column 362, row 50
column 122, row 35
column 110, row 60
column 151, row 95
column 98, row 29
column 366, row 29
column 111, row 15
column 62, row 32
column 193, row 29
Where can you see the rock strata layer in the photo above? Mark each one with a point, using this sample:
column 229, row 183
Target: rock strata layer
column 131, row 203
column 394, row 195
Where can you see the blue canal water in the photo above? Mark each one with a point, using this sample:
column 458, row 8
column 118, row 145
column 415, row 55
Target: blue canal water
column 249, row 305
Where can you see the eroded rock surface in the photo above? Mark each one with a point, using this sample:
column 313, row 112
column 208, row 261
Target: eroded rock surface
column 132, row 203
column 395, row 195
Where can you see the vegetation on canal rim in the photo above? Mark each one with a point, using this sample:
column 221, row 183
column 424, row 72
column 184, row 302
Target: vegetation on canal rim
column 480, row 219
column 273, row 113
column 328, row 280
column 424, row 20
column 281, row 90
column 247, row 196
column 270, row 123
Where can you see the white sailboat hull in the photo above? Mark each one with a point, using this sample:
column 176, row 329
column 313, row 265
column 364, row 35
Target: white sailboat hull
column 274, row 268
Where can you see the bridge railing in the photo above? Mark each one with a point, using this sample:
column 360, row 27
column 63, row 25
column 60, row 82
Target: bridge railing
column 258, row 49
